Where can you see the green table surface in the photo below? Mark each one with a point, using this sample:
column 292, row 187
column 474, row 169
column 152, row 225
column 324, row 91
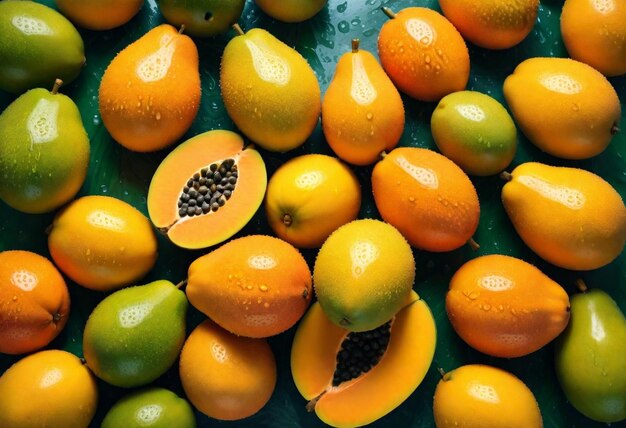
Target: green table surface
column 117, row 172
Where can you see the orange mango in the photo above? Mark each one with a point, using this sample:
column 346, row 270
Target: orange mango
column 150, row 93
column 99, row 14
column 362, row 112
column 505, row 307
column 570, row 217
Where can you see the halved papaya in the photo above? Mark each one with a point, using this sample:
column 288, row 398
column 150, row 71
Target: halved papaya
column 352, row 379
column 207, row 189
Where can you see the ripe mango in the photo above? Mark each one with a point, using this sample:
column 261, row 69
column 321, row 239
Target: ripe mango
column 568, row 216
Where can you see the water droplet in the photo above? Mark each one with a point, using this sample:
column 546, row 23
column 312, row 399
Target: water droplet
column 474, row 295
column 343, row 27
column 96, row 119
column 158, row 116
column 248, row 287
column 15, row 298
column 411, row 198
column 369, row 116
column 263, row 287
column 341, row 8
column 266, row 305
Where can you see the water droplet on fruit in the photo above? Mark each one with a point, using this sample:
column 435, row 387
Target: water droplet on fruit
column 158, row 116
column 263, row 287
column 370, row 116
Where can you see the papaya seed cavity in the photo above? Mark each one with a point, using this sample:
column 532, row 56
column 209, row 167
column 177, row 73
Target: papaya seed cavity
column 208, row 189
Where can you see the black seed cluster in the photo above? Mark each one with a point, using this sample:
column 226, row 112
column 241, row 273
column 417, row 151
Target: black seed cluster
column 209, row 189
column 360, row 352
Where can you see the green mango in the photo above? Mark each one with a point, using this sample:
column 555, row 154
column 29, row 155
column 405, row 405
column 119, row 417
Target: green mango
column 590, row 357
column 153, row 407
column 37, row 46
column 202, row 18
column 44, row 151
column 135, row 334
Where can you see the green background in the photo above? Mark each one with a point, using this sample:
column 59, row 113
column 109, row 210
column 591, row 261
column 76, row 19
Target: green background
column 115, row 171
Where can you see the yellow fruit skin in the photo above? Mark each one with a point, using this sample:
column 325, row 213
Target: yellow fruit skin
column 225, row 376
column 50, row 388
column 150, row 92
column 363, row 274
column 570, row 217
column 362, row 112
column 487, row 397
column 492, row 24
column 99, row 14
column 318, row 193
column 269, row 91
column 564, row 107
column 594, row 32
column 102, row 243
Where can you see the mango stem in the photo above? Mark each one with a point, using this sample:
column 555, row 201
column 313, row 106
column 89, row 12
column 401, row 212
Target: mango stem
column 506, row 176
column 56, row 86
column 582, row 287
column 181, row 29
column 355, row 45
column 181, row 284
column 390, row 13
column 238, row 29
column 473, row 244
column 444, row 376
column 614, row 129
column 383, row 155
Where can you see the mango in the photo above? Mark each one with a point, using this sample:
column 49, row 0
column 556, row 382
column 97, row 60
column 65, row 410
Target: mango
column 362, row 111
column 51, row 388
column 44, row 151
column 355, row 378
column 226, row 377
column 99, row 14
column 134, row 335
column 291, row 10
column 563, row 106
column 570, row 217
column 505, row 307
column 363, row 274
column 589, row 357
column 39, row 45
column 269, row 90
column 149, row 94
column 202, row 18
column 255, row 286
column 477, row 395
column 154, row 407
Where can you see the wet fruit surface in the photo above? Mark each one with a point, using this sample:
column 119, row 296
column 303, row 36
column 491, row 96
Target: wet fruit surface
column 126, row 175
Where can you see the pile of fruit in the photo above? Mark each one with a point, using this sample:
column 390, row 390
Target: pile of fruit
column 207, row 218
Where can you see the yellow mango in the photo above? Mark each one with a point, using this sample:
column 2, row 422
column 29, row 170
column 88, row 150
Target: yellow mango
column 565, row 107
column 570, row 217
column 362, row 112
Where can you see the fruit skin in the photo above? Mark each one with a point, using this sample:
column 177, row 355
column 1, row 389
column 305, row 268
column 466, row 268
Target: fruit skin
column 564, row 107
column 102, row 243
column 156, row 407
column 363, row 274
column 44, row 151
column 269, row 91
column 492, row 24
column 528, row 309
column 474, row 131
column 478, row 395
column 362, row 112
column 40, row 47
column 51, row 388
column 596, row 35
column 226, row 377
column 255, row 286
column 377, row 392
column 134, row 335
column 570, row 217
column 202, row 18
column 180, row 165
column 291, row 10
column 427, row 197
column 589, row 357
column 35, row 302
column 310, row 196
column 99, row 14
column 444, row 66
column 141, row 110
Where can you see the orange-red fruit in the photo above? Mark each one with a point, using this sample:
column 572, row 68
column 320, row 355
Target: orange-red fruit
column 150, row 93
column 225, row 376
column 192, row 157
column 505, row 307
column 373, row 394
column 427, row 197
column 423, row 54
column 255, row 286
column 34, row 302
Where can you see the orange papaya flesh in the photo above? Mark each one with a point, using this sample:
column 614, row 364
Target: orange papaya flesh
column 207, row 189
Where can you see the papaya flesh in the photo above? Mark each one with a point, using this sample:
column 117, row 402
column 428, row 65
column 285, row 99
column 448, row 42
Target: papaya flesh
column 316, row 359
column 207, row 189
